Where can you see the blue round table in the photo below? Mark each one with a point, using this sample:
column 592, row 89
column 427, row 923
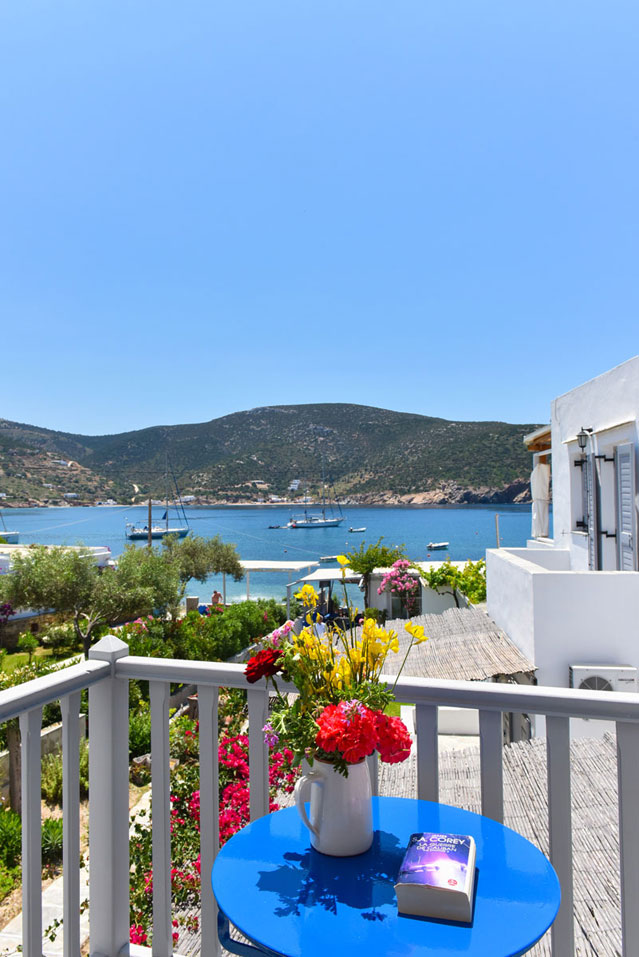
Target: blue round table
column 290, row 900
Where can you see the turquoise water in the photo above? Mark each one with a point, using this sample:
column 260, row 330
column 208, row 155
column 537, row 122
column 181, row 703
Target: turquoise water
column 470, row 530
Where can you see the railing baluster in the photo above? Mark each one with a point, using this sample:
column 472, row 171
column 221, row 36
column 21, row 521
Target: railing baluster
column 492, row 772
column 161, row 818
column 560, row 830
column 427, row 752
column 258, row 752
column 109, row 805
column 30, row 727
column 628, row 776
column 209, row 812
column 70, row 706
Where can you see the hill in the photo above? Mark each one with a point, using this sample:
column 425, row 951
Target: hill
column 372, row 455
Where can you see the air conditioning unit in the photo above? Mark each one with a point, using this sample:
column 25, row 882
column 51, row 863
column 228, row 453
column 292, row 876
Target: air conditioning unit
column 603, row 677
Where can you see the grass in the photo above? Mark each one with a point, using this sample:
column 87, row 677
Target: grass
column 16, row 659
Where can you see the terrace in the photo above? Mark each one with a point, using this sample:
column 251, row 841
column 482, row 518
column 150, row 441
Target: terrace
column 595, row 917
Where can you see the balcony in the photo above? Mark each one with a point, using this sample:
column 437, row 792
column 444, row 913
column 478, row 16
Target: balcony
column 499, row 780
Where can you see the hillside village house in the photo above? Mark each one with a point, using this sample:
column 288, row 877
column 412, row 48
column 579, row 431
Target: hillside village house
column 570, row 602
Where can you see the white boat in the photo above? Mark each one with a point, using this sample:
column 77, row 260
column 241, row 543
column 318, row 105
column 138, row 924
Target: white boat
column 436, row 546
column 141, row 533
column 314, row 520
column 318, row 518
column 327, row 559
column 10, row 537
column 363, row 529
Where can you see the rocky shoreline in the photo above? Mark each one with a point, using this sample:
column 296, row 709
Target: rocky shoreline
column 517, row 493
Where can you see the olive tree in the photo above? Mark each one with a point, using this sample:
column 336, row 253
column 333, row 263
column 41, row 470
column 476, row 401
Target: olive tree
column 68, row 582
column 198, row 558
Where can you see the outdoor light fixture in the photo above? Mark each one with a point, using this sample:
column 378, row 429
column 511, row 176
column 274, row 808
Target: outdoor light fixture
column 582, row 441
column 582, row 438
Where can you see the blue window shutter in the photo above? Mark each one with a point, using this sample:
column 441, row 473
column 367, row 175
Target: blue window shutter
column 592, row 517
column 626, row 537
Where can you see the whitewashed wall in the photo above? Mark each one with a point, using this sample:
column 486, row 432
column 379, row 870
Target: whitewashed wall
column 561, row 618
column 609, row 405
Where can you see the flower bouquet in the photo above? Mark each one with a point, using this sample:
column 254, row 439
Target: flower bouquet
column 339, row 713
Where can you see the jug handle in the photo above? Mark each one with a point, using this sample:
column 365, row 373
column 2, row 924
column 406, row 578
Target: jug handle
column 301, row 788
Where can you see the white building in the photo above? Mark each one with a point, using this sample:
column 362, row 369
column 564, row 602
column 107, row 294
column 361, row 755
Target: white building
column 571, row 602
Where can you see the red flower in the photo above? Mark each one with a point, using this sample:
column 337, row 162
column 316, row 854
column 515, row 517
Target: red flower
column 263, row 665
column 393, row 740
column 349, row 728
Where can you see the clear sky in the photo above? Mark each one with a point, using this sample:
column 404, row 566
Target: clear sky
column 211, row 205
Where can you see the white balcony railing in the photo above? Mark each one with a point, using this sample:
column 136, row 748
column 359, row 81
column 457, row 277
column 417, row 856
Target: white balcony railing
column 106, row 675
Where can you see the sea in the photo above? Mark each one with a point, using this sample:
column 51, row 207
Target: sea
column 469, row 530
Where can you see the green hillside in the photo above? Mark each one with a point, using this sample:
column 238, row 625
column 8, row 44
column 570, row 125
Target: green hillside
column 367, row 452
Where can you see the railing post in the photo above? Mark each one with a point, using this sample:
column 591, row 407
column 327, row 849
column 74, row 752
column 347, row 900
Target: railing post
column 628, row 775
column 30, row 727
column 70, row 706
column 427, row 752
column 209, row 812
column 491, row 743
column 109, row 806
column 560, row 830
column 258, row 753
column 161, row 818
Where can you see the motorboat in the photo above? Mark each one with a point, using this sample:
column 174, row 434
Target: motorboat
column 358, row 529
column 437, row 546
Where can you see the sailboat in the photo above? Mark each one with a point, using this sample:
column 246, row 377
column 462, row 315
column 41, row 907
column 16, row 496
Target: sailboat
column 11, row 538
column 140, row 533
column 319, row 518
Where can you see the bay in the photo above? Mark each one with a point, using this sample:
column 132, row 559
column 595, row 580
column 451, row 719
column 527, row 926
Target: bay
column 470, row 530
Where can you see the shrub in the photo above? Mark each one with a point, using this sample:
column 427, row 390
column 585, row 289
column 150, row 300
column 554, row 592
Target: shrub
column 377, row 614
column 52, row 840
column 28, row 643
column 60, row 638
column 10, row 838
column 140, row 730
column 52, row 775
column 10, row 878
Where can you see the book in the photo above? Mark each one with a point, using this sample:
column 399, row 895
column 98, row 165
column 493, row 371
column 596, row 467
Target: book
column 437, row 877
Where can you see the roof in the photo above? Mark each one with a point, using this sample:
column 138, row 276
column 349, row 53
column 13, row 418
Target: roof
column 334, row 573
column 267, row 566
column 539, row 440
column 331, row 574
column 464, row 644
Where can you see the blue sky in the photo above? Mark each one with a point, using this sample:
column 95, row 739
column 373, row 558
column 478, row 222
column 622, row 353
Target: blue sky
column 206, row 207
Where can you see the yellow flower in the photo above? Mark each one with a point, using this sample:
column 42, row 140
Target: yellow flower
column 416, row 632
column 343, row 560
column 308, row 596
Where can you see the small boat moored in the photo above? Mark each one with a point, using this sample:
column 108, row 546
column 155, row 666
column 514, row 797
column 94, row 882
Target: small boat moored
column 363, row 529
column 8, row 535
column 437, row 546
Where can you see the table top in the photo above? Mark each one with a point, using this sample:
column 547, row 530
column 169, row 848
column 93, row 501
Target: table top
column 285, row 896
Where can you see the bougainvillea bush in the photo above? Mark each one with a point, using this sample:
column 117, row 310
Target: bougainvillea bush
column 400, row 580
column 185, row 815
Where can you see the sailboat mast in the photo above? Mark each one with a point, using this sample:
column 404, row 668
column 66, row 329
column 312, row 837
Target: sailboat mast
column 166, row 486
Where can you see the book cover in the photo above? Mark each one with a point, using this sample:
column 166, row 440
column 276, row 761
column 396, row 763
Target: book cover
column 437, row 875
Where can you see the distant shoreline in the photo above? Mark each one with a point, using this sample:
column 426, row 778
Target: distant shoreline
column 282, row 505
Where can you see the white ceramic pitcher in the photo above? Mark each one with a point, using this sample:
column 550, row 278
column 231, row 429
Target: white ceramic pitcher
column 341, row 818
